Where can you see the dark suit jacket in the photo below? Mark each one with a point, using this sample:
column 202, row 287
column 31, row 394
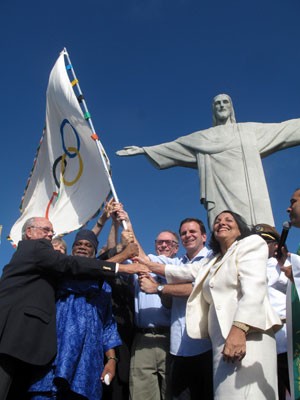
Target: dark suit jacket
column 27, row 297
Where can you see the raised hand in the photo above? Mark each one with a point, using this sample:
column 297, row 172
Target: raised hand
column 131, row 250
column 127, row 237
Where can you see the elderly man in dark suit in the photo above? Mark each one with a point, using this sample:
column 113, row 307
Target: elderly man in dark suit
column 27, row 298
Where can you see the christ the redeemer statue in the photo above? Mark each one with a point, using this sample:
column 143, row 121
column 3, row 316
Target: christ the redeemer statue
column 228, row 158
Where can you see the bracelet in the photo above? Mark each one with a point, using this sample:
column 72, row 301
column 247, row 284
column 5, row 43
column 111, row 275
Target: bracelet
column 112, row 358
column 245, row 328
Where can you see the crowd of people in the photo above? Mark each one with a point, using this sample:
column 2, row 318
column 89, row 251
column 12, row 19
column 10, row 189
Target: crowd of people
column 120, row 324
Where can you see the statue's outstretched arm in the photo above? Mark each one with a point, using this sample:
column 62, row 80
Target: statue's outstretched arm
column 130, row 151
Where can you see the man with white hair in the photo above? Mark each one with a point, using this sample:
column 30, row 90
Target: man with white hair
column 27, row 298
column 149, row 366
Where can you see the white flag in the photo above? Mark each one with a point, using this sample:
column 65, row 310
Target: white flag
column 68, row 182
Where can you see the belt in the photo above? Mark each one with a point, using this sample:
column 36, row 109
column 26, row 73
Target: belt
column 154, row 330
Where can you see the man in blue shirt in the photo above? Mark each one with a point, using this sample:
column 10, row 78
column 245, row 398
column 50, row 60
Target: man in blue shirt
column 150, row 349
column 191, row 364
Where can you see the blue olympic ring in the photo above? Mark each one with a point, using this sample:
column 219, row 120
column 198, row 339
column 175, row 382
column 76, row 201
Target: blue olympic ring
column 71, row 155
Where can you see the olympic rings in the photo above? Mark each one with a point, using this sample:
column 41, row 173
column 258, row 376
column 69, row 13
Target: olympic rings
column 71, row 152
column 63, row 168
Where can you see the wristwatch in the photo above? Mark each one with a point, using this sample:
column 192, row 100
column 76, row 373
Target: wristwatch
column 159, row 289
column 245, row 328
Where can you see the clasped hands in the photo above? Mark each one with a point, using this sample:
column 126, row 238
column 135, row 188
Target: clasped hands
column 112, row 209
column 147, row 283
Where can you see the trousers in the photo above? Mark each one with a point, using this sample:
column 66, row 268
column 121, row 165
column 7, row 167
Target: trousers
column 192, row 377
column 149, row 364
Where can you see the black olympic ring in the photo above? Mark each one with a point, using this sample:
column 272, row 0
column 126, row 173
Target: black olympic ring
column 57, row 182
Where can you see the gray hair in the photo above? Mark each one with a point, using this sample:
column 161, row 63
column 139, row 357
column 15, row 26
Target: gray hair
column 176, row 237
column 60, row 240
column 232, row 115
column 29, row 222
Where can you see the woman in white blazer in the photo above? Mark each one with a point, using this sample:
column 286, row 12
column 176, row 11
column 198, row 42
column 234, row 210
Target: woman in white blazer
column 230, row 304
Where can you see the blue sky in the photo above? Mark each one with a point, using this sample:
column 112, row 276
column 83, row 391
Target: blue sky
column 149, row 70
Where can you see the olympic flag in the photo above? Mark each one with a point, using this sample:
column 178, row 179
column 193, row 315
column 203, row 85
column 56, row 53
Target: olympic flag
column 69, row 181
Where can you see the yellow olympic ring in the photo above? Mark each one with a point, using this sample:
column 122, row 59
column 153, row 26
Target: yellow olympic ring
column 62, row 169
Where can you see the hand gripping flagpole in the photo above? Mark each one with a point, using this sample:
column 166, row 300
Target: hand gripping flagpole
column 94, row 136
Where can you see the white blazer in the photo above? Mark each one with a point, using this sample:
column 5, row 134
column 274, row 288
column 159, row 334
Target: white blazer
column 238, row 288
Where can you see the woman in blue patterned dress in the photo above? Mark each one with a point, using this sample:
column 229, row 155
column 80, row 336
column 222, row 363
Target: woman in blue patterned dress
column 86, row 334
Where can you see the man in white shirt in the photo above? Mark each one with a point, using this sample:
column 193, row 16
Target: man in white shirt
column 292, row 270
column 277, row 287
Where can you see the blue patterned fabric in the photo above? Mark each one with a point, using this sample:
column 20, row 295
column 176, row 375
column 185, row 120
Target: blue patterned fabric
column 85, row 331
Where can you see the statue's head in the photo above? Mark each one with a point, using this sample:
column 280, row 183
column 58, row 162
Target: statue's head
column 223, row 111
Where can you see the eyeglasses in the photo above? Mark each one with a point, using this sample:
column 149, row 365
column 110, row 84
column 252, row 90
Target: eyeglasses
column 167, row 242
column 45, row 229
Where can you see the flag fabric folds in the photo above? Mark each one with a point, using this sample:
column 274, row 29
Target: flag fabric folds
column 68, row 182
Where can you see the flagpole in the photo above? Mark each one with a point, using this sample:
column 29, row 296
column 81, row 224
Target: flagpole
column 94, row 136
